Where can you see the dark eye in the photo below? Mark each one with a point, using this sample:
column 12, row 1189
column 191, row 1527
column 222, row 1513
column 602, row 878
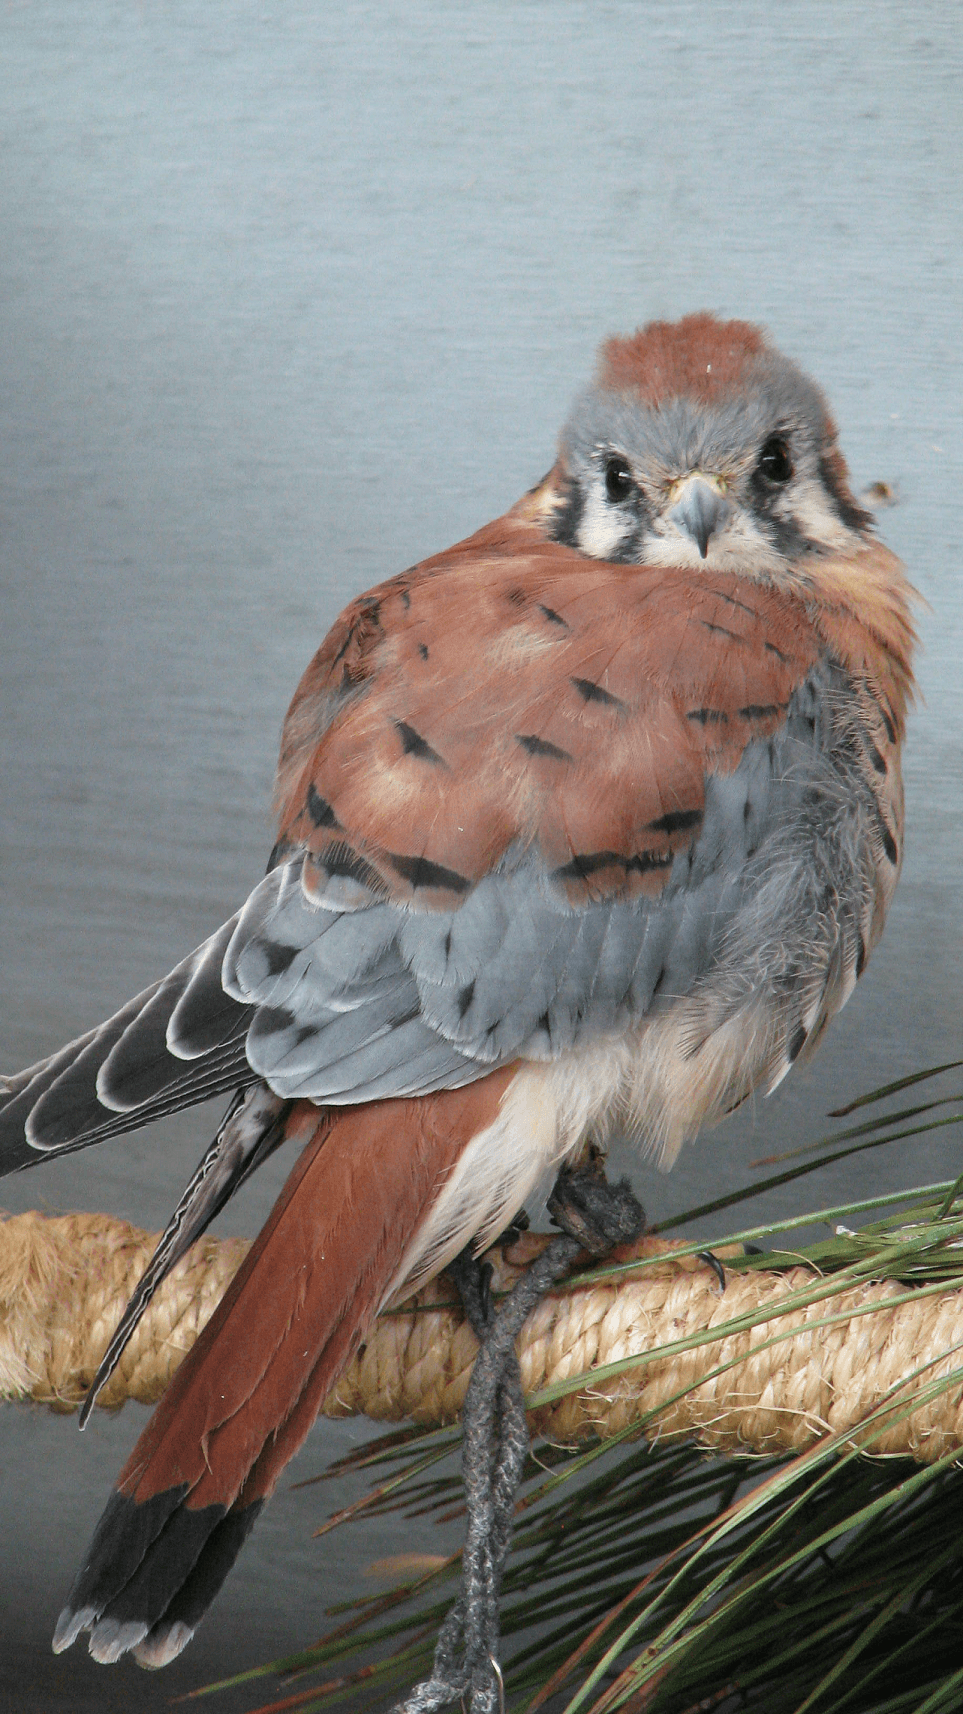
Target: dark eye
column 618, row 479
column 774, row 460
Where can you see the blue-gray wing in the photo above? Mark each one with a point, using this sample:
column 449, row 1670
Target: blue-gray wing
column 774, row 897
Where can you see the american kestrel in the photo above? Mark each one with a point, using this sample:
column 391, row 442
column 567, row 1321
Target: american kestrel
column 592, row 820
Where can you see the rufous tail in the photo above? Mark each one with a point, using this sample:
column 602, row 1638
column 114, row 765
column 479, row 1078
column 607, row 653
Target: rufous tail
column 244, row 1399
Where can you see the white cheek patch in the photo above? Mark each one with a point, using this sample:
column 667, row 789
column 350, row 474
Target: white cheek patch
column 811, row 510
column 602, row 527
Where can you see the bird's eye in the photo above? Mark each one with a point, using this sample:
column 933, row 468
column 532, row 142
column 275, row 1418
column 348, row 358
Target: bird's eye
column 618, row 479
column 774, row 460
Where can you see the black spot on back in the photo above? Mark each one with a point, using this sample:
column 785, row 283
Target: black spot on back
column 319, row 808
column 553, row 617
column 762, row 710
column 517, row 597
column 541, row 747
column 423, row 651
column 677, row 821
column 722, row 630
column 708, row 716
column 586, row 863
column 421, row 872
column 413, row 744
column 592, row 692
column 732, row 601
column 465, row 997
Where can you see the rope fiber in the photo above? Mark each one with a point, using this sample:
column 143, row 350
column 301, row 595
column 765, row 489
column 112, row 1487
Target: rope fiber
column 64, row 1282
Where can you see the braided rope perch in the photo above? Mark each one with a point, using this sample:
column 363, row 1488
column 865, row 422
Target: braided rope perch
column 64, row 1282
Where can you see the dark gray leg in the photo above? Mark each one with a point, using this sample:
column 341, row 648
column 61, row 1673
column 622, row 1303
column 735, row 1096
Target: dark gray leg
column 594, row 1215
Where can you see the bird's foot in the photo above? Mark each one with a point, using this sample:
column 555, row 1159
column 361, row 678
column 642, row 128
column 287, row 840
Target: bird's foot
column 594, row 1216
column 594, row 1212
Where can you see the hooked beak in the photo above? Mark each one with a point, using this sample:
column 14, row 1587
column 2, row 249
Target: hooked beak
column 699, row 509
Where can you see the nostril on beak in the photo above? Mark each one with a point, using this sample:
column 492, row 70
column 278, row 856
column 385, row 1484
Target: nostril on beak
column 699, row 512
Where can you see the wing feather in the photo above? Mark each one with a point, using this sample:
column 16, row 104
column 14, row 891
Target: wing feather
column 522, row 797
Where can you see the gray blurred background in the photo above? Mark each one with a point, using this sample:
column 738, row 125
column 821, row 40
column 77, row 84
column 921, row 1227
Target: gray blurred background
column 290, row 299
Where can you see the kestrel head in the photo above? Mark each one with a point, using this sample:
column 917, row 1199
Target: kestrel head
column 699, row 443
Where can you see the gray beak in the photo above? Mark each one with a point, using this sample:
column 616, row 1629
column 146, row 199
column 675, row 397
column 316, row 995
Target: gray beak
column 699, row 511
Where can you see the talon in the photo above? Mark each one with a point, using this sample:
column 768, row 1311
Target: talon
column 714, row 1263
